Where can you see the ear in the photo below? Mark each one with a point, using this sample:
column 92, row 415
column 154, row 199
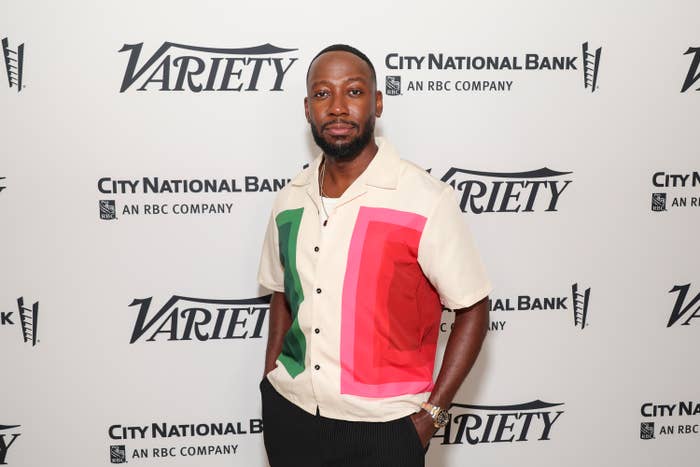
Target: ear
column 379, row 104
column 306, row 109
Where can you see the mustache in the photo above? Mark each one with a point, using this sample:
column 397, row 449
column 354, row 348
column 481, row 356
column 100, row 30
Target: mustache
column 341, row 121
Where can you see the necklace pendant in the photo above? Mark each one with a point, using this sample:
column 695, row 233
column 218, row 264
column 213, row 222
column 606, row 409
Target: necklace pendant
column 325, row 223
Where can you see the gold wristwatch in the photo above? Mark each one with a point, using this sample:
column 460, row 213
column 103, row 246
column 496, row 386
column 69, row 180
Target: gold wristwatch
column 440, row 416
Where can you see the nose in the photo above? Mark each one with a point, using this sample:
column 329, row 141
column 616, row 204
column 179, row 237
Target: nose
column 338, row 105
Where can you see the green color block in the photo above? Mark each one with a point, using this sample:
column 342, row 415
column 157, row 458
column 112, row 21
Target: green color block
column 294, row 346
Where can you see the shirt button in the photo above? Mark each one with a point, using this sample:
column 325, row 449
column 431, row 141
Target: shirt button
column 316, row 249
column 318, row 290
column 317, row 367
column 317, row 330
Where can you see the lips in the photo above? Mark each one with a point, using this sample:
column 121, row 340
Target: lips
column 339, row 128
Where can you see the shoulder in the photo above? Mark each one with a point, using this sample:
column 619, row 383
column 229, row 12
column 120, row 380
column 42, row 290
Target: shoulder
column 292, row 193
column 416, row 179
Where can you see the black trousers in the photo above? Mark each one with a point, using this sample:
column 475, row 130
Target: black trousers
column 296, row 438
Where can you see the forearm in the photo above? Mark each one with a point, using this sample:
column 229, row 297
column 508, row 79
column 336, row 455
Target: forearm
column 279, row 323
column 463, row 346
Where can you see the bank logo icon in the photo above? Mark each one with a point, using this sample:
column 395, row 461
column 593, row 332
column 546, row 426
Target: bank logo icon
column 646, row 430
column 7, row 438
column 117, row 454
column 29, row 319
column 693, row 72
column 14, row 60
column 393, row 85
column 658, row 201
column 580, row 299
column 2, row 184
column 108, row 209
column 591, row 63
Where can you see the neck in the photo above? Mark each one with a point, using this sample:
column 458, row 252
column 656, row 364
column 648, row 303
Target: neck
column 340, row 174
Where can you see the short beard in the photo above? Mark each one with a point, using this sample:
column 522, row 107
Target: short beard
column 345, row 151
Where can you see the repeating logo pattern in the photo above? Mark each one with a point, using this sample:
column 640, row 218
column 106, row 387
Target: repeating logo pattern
column 8, row 435
column 442, row 72
column 200, row 319
column 27, row 318
column 14, row 64
column 694, row 71
column 180, row 67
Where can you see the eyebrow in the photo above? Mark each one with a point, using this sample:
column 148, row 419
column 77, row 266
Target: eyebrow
column 347, row 80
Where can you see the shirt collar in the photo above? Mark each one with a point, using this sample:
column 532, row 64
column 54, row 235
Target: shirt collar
column 382, row 171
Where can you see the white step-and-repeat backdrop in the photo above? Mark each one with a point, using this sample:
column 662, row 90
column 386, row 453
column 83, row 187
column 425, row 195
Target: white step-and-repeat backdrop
column 141, row 147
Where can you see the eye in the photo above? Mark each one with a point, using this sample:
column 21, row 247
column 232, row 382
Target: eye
column 321, row 94
column 355, row 92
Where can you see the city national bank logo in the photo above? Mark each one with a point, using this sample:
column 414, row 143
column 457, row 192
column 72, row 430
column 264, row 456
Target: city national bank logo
column 26, row 317
column 678, row 418
column 175, row 440
column 477, row 424
column 591, row 64
column 428, row 73
column 694, row 71
column 200, row 319
column 188, row 191
column 685, row 308
column 678, row 184
column 14, row 64
column 8, row 435
column 576, row 305
column 179, row 67
column 508, row 192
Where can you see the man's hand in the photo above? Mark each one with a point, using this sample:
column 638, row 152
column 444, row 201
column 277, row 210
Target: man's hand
column 424, row 426
column 279, row 324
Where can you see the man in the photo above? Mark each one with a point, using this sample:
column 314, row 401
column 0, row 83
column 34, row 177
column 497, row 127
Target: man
column 360, row 250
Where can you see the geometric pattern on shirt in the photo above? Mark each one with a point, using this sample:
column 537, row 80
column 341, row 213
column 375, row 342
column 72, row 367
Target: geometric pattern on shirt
column 390, row 311
column 294, row 345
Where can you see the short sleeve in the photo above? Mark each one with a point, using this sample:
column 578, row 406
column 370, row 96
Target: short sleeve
column 448, row 256
column 270, row 271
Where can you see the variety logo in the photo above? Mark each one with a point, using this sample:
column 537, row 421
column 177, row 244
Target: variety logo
column 201, row 319
column 675, row 182
column 27, row 318
column 179, row 67
column 678, row 425
column 502, row 192
column 438, row 63
column 684, row 308
column 14, row 64
column 190, row 189
column 477, row 424
column 142, row 438
column 8, row 435
column 694, row 71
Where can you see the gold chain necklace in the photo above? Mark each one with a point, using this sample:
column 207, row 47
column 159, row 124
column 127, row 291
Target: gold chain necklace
column 323, row 195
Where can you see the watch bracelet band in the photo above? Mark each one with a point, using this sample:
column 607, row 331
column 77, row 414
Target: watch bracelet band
column 434, row 411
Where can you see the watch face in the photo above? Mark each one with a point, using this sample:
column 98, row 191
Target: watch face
column 442, row 418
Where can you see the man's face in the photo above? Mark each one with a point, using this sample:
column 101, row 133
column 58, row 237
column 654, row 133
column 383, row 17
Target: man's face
column 341, row 104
